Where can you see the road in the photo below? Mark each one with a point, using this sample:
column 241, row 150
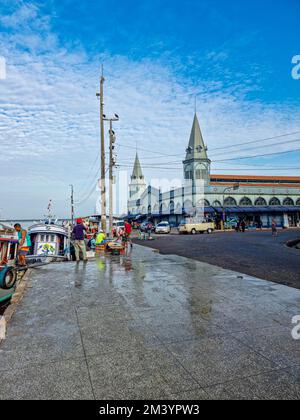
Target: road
column 254, row 253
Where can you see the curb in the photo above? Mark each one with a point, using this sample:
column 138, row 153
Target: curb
column 16, row 299
column 292, row 243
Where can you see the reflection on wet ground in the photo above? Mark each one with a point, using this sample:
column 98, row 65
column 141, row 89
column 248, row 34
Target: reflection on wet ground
column 143, row 325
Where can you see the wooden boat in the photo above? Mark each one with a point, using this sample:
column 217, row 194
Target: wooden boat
column 8, row 255
column 49, row 240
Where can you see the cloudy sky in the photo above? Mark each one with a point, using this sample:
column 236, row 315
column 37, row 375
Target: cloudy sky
column 158, row 55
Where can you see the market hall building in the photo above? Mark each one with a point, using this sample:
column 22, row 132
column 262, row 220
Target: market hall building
column 256, row 199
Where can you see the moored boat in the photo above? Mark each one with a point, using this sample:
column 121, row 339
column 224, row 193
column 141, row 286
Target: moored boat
column 49, row 240
column 8, row 255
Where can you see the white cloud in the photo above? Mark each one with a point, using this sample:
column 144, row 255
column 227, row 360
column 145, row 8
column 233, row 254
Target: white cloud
column 49, row 115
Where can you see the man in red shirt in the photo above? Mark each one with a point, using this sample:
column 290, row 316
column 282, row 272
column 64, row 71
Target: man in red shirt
column 128, row 231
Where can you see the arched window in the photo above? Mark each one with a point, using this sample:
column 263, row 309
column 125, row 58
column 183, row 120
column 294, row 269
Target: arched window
column 274, row 202
column 188, row 207
column 172, row 207
column 260, row 202
column 149, row 209
column 298, row 202
column 288, row 202
column 201, row 171
column 246, row 202
column 217, row 204
column 203, row 203
column 230, row 202
column 162, row 208
column 189, row 172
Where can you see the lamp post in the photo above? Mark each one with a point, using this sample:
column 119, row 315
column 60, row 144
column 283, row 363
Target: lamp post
column 234, row 187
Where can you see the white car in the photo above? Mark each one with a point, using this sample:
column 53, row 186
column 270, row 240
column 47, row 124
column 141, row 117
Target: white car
column 163, row 227
column 119, row 225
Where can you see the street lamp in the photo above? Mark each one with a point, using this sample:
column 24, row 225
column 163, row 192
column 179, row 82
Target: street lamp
column 234, row 187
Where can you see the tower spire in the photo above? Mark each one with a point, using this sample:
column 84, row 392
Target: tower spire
column 197, row 164
column 196, row 148
column 137, row 185
column 137, row 169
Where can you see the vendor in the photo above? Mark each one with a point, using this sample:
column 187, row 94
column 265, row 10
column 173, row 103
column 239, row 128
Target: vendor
column 101, row 238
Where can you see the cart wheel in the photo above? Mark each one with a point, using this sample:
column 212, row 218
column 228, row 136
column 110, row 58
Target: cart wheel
column 9, row 280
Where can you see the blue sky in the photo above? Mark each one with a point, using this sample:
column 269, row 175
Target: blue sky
column 158, row 55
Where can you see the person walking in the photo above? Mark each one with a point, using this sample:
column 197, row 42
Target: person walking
column 79, row 243
column 274, row 228
column 243, row 226
column 128, row 231
column 24, row 244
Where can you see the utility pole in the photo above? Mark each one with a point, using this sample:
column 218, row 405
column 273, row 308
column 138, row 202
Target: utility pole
column 112, row 140
column 103, row 181
column 72, row 204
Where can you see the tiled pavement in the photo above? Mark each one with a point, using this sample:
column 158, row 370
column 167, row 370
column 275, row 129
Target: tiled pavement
column 147, row 326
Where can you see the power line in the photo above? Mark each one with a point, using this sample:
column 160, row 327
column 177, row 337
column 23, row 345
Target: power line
column 261, row 147
column 225, row 169
column 255, row 141
column 255, row 156
column 87, row 183
column 92, row 185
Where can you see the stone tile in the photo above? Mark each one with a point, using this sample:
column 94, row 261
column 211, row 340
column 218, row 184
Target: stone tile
column 194, row 395
column 67, row 380
column 275, row 343
column 275, row 385
column 117, row 336
column 96, row 315
column 219, row 359
column 139, row 374
column 40, row 342
column 172, row 331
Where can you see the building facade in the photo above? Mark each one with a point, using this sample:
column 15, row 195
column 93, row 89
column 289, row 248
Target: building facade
column 228, row 198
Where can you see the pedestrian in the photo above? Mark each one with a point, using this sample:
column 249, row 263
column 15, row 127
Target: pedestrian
column 79, row 243
column 274, row 228
column 24, row 244
column 128, row 231
column 243, row 226
column 238, row 227
column 92, row 242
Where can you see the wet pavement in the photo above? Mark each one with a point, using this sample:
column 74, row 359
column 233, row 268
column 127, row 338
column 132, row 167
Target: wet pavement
column 147, row 326
column 255, row 253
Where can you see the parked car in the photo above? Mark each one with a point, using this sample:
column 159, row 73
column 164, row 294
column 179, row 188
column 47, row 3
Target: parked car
column 118, row 225
column 163, row 227
column 194, row 228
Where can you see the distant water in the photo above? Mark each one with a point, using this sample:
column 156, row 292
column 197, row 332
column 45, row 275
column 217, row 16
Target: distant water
column 26, row 224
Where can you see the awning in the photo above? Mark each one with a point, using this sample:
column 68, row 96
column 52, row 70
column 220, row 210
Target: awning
column 209, row 210
column 260, row 209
